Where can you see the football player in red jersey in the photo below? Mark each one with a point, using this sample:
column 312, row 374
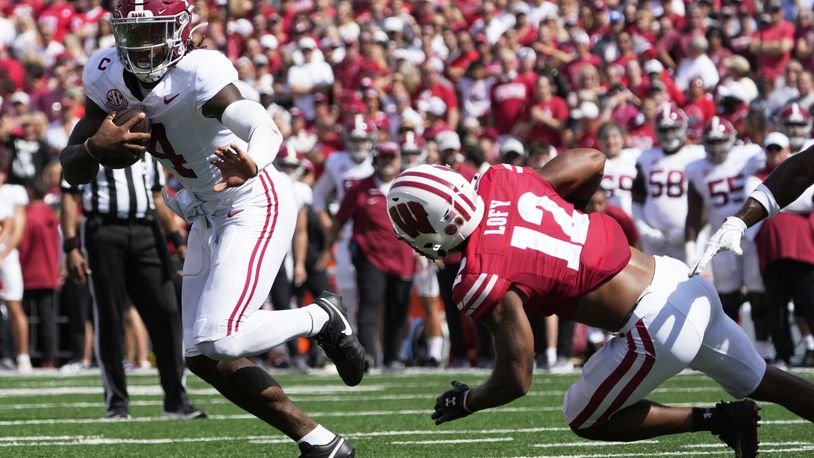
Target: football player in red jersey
column 220, row 146
column 528, row 249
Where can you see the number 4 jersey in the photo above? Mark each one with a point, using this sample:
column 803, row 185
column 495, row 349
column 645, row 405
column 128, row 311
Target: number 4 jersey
column 532, row 239
column 183, row 140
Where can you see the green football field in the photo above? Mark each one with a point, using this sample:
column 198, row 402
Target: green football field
column 388, row 415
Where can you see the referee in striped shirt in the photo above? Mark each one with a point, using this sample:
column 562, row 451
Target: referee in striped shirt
column 122, row 253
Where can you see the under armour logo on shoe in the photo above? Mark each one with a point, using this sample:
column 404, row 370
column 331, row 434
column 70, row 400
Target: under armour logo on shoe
column 707, row 414
column 449, row 402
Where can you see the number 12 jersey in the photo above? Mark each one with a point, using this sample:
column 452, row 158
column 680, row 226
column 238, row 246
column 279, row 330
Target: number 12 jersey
column 532, row 239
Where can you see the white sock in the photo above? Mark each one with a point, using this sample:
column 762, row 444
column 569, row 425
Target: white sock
column 434, row 346
column 318, row 318
column 551, row 355
column 23, row 358
column 809, row 342
column 317, row 436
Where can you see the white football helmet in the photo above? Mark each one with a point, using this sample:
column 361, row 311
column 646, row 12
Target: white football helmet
column 413, row 151
column 671, row 127
column 718, row 138
column 795, row 123
column 361, row 135
column 434, row 209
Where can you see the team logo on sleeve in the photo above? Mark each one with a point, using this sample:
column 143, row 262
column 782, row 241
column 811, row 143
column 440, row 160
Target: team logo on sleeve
column 115, row 100
column 411, row 218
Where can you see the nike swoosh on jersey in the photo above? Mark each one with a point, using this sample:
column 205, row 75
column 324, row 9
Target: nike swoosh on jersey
column 167, row 100
column 233, row 213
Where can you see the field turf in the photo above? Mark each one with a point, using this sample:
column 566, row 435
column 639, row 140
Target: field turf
column 49, row 415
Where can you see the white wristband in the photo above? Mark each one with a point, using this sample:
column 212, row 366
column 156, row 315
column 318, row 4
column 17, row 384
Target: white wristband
column 87, row 150
column 764, row 195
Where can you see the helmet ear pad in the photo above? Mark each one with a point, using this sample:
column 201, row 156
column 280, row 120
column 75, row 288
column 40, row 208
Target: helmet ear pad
column 434, row 209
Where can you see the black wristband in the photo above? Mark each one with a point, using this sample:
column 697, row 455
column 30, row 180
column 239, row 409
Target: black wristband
column 70, row 244
column 177, row 239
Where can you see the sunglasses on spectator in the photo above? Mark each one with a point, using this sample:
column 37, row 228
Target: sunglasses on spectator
column 773, row 149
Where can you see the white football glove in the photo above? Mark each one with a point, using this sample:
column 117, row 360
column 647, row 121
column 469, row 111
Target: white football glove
column 728, row 236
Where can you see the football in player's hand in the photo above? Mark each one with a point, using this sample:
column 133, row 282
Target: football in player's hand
column 143, row 126
column 123, row 116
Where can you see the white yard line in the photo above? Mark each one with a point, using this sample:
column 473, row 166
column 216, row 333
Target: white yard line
column 723, row 451
column 592, row 444
column 453, row 441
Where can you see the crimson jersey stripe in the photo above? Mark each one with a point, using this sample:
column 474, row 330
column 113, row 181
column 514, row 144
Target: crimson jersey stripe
column 257, row 244
column 438, row 193
column 636, row 380
column 609, row 383
column 442, row 181
column 265, row 245
column 483, row 294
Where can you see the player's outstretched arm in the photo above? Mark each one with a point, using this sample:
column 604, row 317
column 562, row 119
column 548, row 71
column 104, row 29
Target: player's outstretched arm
column 514, row 355
column 575, row 174
column 785, row 184
column 252, row 124
column 95, row 138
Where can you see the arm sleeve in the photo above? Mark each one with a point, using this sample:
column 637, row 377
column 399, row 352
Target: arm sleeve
column 252, row 124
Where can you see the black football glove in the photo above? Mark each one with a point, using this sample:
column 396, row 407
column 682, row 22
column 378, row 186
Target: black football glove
column 451, row 405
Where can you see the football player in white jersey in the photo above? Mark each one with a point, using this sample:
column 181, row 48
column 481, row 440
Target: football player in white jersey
column 795, row 122
column 717, row 188
column 220, row 146
column 660, row 189
column 342, row 170
column 413, row 152
column 620, row 166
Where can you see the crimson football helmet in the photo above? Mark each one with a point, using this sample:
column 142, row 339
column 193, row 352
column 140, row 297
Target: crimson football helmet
column 434, row 209
column 718, row 138
column 671, row 127
column 289, row 161
column 413, row 152
column 795, row 123
column 361, row 134
column 151, row 35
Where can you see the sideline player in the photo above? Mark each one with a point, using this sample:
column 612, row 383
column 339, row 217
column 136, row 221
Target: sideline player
column 620, row 166
column 527, row 249
column 220, row 146
column 660, row 188
column 717, row 188
column 344, row 169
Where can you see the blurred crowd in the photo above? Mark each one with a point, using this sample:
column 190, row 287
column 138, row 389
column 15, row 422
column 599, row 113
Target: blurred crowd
column 466, row 83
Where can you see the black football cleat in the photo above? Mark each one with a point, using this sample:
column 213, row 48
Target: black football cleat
column 337, row 448
column 338, row 340
column 739, row 422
